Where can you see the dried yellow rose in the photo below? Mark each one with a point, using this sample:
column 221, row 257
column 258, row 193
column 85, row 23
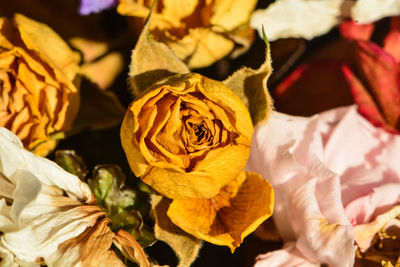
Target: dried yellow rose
column 38, row 98
column 199, row 32
column 187, row 136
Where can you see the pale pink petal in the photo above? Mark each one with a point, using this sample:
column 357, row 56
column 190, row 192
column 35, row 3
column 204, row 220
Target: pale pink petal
column 380, row 200
column 288, row 151
column 289, row 256
column 365, row 159
column 318, row 240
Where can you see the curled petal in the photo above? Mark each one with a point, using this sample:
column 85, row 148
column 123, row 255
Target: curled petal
column 91, row 248
column 229, row 217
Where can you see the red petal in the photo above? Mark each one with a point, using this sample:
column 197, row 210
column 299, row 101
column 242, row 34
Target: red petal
column 351, row 30
column 366, row 104
column 381, row 73
column 312, row 88
column 392, row 44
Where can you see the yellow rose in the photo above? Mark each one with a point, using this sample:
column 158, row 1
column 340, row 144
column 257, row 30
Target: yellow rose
column 187, row 136
column 38, row 98
column 199, row 32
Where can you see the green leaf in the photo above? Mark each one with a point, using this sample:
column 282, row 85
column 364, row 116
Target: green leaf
column 251, row 86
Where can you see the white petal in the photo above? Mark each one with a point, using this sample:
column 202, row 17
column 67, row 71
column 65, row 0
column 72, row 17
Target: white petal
column 42, row 237
column 367, row 11
column 299, row 18
column 13, row 157
column 6, row 258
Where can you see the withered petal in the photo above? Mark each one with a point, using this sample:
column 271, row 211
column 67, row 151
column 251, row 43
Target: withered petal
column 229, row 217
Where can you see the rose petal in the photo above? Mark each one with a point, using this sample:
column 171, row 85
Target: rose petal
column 13, row 157
column 325, row 15
column 289, row 256
column 392, row 44
column 363, row 209
column 381, row 72
column 289, row 150
column 37, row 36
column 367, row 11
column 229, row 217
column 7, row 258
column 352, row 30
column 366, row 104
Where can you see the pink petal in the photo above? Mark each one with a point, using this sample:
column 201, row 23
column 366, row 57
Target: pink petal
column 351, row 30
column 380, row 200
column 289, row 256
column 288, row 150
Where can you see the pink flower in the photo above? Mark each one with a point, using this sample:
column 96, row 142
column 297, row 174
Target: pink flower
column 333, row 174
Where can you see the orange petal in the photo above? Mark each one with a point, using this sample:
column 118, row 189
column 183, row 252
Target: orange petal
column 228, row 218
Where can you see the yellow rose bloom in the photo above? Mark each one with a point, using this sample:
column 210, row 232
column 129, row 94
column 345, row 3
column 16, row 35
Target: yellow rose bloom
column 187, row 136
column 199, row 32
column 38, row 98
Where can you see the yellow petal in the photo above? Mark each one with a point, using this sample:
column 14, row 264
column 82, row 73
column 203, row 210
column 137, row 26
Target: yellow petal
column 37, row 36
column 151, row 155
column 227, row 99
column 201, row 47
column 185, row 246
column 228, row 218
column 198, row 32
column 229, row 14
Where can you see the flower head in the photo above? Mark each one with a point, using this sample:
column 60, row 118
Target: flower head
column 48, row 216
column 332, row 173
column 38, row 98
column 187, row 136
column 199, row 32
